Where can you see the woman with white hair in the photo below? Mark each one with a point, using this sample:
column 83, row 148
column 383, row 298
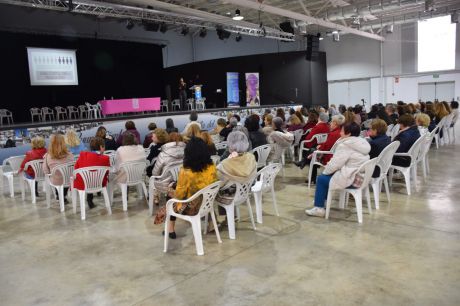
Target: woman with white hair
column 279, row 139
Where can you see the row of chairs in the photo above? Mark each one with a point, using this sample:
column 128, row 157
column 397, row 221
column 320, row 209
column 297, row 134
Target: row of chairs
column 191, row 104
column 6, row 115
column 86, row 111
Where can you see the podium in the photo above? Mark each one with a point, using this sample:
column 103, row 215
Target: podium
column 196, row 89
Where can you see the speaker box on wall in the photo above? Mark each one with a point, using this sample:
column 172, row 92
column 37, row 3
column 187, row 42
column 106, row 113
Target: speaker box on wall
column 287, row 27
column 312, row 53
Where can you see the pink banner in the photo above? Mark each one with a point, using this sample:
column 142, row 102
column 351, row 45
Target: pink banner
column 134, row 105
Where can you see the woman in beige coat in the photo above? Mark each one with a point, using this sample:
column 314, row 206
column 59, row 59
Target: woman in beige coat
column 352, row 151
column 279, row 139
column 129, row 151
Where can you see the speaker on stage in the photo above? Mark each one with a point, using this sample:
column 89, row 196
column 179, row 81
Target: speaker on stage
column 312, row 48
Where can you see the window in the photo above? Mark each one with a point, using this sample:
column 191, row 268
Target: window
column 436, row 44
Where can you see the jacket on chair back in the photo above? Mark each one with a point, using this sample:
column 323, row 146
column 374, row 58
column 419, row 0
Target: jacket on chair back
column 349, row 155
column 90, row 159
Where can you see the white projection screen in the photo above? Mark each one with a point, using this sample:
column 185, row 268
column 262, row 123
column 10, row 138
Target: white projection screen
column 51, row 67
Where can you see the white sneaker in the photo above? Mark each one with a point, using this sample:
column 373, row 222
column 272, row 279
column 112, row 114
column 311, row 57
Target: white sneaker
column 316, row 212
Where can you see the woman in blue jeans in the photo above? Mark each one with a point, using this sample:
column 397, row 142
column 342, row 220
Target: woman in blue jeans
column 352, row 151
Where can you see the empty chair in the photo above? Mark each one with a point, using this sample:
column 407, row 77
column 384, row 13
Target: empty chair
column 73, row 112
column 262, row 153
column 93, row 111
column 66, row 171
column 170, row 173
column 134, row 171
column 207, row 207
column 36, row 112
column 320, row 138
column 241, row 195
column 60, row 112
column 265, row 184
column 366, row 171
column 411, row 170
column 164, row 105
column 47, row 112
column 93, row 178
column 190, row 104
column 175, row 104
column 200, row 104
column 446, row 127
column 384, row 163
column 83, row 110
column 6, row 114
column 10, row 169
column 37, row 166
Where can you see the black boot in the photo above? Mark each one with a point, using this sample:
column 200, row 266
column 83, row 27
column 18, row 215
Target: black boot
column 301, row 164
column 36, row 189
column 89, row 198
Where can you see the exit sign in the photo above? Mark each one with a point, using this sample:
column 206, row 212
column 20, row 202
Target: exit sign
column 435, row 76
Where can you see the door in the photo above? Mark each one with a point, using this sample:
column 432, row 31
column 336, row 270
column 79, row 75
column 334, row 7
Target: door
column 445, row 91
column 426, row 92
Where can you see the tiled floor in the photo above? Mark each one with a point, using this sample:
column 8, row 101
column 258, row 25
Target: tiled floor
column 407, row 253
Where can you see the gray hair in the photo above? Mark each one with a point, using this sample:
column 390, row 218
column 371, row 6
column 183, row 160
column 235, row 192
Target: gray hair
column 233, row 121
column 278, row 122
column 323, row 117
column 339, row 119
column 193, row 116
column 237, row 142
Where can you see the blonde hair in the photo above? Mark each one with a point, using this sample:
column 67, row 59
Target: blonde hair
column 71, row 138
column 422, row 120
column 162, row 135
column 193, row 131
column 294, row 120
column 57, row 148
column 206, row 138
column 38, row 142
column 269, row 118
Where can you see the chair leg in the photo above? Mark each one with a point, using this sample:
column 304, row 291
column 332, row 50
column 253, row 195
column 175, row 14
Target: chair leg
column 23, row 187
column 48, row 193
column 196, row 228
column 407, row 180
column 150, row 202
column 310, row 173
column 328, row 204
column 144, row 189
column 275, row 205
column 124, row 196
column 11, row 185
column 32, row 190
column 105, row 193
column 359, row 205
column 387, row 189
column 61, row 197
column 376, row 190
column 230, row 212
column 258, row 202
column 216, row 229
column 368, row 199
column 424, row 169
column 251, row 216
column 82, row 204
column 166, row 236
column 74, row 200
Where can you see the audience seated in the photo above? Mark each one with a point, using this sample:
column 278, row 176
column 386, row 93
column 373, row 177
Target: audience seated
column 294, row 124
column 390, row 109
column 159, row 138
column 91, row 159
column 192, row 131
column 281, row 114
column 57, row 155
column 349, row 116
column 170, row 128
column 130, row 128
column 148, row 138
column 332, row 110
column 454, row 107
column 407, row 136
column 37, row 152
column 311, row 121
column 378, row 140
column 341, row 170
column 109, row 142
column 373, row 113
column 268, row 126
column 193, row 120
column 233, row 122
column 381, row 114
column 256, row 137
column 301, row 118
column 208, row 140
column 267, row 111
column 423, row 123
column 357, row 114
column 129, row 150
column 221, row 124
column 73, row 142
column 279, row 139
column 197, row 172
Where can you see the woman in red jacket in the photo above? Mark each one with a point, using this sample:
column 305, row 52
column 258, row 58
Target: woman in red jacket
column 37, row 152
column 92, row 159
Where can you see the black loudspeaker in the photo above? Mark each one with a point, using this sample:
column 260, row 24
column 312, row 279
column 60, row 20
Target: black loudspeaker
column 287, row 27
column 312, row 48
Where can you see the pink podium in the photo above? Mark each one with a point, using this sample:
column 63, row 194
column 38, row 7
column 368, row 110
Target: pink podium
column 134, row 105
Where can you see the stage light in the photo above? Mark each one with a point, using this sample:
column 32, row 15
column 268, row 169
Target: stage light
column 184, row 30
column 238, row 37
column 237, row 15
column 335, row 32
column 430, row 6
column 129, row 24
column 203, row 32
column 163, row 27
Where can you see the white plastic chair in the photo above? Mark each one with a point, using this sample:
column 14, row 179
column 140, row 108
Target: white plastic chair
column 241, row 195
column 384, row 162
column 83, row 110
column 134, row 171
column 6, row 114
column 320, row 138
column 14, row 164
column 93, row 178
column 262, row 155
column 411, row 170
column 316, row 161
column 451, row 131
column 215, row 159
column 72, row 111
column 175, row 103
column 394, row 131
column 190, row 104
column 171, row 171
column 164, row 104
column 423, row 155
column 366, row 171
column 111, row 155
column 207, row 207
column 46, row 111
column 389, row 129
column 221, row 145
column 216, row 138
column 60, row 112
column 36, row 112
column 445, row 129
column 199, row 104
column 298, row 135
column 266, row 183
column 37, row 166
column 66, row 171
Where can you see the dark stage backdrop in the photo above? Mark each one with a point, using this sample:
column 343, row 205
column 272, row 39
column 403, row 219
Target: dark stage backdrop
column 105, row 68
column 284, row 77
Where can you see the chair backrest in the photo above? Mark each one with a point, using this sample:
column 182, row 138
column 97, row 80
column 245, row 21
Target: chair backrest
column 134, row 171
column 35, row 111
column 174, row 171
column 268, row 174
column 216, row 138
column 37, row 166
column 209, row 194
column 82, row 108
column 243, row 190
column 320, row 138
column 164, row 102
column 427, row 144
column 221, row 145
column 14, row 162
column 215, row 159
column 390, row 127
column 92, row 177
column 59, row 109
column 366, row 170
column 47, row 110
column 386, row 157
column 297, row 136
column 66, row 172
column 414, row 151
column 72, row 108
column 394, row 131
column 109, row 152
column 448, row 120
column 262, row 154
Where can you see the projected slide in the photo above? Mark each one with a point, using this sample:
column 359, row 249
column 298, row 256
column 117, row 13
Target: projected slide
column 252, row 89
column 233, row 90
column 52, row 67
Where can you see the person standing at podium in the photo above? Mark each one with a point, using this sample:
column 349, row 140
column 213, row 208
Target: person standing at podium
column 182, row 93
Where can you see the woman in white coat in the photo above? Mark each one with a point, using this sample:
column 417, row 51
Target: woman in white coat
column 352, row 151
column 129, row 151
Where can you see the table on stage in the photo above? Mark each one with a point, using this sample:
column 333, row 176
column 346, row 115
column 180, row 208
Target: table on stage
column 134, row 105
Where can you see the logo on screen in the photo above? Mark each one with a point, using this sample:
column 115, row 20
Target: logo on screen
column 135, row 103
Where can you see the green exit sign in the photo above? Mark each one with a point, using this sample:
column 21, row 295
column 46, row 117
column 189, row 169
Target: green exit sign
column 435, row 76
